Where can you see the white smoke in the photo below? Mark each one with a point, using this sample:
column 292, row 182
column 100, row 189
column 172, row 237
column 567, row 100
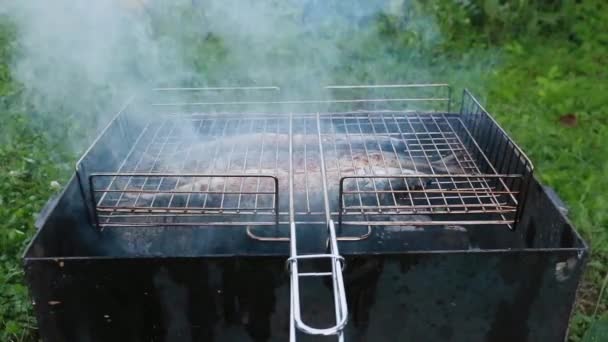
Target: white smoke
column 80, row 60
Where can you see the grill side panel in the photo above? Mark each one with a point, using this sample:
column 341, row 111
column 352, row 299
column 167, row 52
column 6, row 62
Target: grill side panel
column 496, row 151
column 499, row 296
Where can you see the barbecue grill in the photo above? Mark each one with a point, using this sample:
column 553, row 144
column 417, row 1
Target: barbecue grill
column 394, row 217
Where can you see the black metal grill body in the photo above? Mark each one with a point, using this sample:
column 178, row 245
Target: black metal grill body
column 494, row 259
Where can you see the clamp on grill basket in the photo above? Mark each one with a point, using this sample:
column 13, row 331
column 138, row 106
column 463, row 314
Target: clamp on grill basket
column 339, row 293
column 337, row 261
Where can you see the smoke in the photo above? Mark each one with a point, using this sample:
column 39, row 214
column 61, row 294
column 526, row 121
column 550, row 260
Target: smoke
column 303, row 45
column 80, row 60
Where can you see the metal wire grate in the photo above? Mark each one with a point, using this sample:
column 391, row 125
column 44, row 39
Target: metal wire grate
column 202, row 169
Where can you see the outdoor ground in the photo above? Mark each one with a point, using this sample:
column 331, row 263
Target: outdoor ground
column 548, row 86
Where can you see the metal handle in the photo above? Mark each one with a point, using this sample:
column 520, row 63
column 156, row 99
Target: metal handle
column 273, row 88
column 337, row 262
column 143, row 201
column 339, row 293
column 447, row 98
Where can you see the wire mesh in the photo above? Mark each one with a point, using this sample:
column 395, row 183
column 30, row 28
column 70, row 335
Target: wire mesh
column 205, row 169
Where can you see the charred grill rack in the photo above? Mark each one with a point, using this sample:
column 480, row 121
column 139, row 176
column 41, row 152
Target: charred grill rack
column 169, row 176
column 362, row 162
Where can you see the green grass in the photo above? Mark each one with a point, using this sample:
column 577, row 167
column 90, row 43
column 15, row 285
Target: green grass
column 26, row 171
column 29, row 162
column 543, row 63
column 537, row 86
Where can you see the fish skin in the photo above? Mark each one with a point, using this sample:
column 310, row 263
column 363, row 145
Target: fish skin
column 360, row 160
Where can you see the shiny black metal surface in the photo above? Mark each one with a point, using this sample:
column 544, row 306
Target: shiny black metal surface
column 463, row 278
column 508, row 296
column 401, row 284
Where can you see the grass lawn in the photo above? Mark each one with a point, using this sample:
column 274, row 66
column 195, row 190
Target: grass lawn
column 532, row 96
column 547, row 88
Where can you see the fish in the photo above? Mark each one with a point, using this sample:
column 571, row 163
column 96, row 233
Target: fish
column 256, row 156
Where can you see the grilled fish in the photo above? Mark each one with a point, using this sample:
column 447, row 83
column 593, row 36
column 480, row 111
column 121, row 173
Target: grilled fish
column 268, row 155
